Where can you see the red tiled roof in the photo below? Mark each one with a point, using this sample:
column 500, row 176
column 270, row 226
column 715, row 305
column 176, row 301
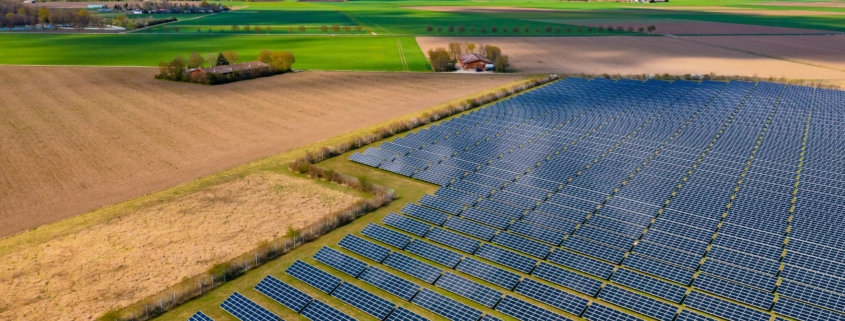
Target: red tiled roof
column 469, row 58
column 236, row 67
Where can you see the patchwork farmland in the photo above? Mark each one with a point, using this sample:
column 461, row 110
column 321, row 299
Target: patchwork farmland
column 607, row 160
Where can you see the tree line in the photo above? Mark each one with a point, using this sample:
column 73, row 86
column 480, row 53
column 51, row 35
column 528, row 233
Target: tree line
column 527, row 30
column 179, row 68
column 14, row 14
column 445, row 59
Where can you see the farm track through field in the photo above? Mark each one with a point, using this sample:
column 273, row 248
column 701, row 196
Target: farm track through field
column 78, row 138
column 402, row 55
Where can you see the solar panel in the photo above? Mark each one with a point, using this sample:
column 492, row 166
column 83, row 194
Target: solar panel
column 199, row 316
column 566, row 278
column 537, row 232
column 637, row 302
column 402, row 314
column 453, row 240
column 734, row 291
column 507, row 258
column 406, row 224
column 488, row 317
column 390, row 283
column 442, row 204
column 802, row 311
column 470, row 228
column 413, row 267
column 469, row 289
column 552, row 296
column 650, row 285
column 523, row 245
column 525, row 311
column 319, row 311
column 458, row 196
column 424, row 213
column 340, row 261
column 313, row 276
column 446, row 307
column 435, row 253
column 283, row 293
column 723, row 308
column 364, row 248
column 600, row 312
column 386, row 236
column 686, row 315
column 365, row 159
column 246, row 310
column 489, row 273
column 658, row 268
column 363, row 300
column 486, row 217
column 582, row 263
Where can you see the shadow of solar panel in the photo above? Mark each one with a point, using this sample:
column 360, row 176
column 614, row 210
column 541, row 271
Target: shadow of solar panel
column 686, row 315
column 340, row 261
column 507, row 258
column 446, row 307
column 390, row 283
column 488, row 317
column 523, row 245
column 736, row 292
column 453, row 240
column 364, row 248
column 658, row 268
column 319, row 311
column 425, row 213
column 650, row 285
column 435, row 253
column 552, row 296
column 199, row 316
column 366, row 160
column 413, row 267
column 386, row 236
column 525, row 311
column 469, row 289
column 406, row 224
column 723, row 308
column 442, row 204
column 283, row 293
column 582, row 263
column 457, row 196
column 566, row 278
column 470, row 228
column 402, row 314
column 489, row 273
column 312, row 276
column 486, row 217
column 639, row 303
column 246, row 310
column 364, row 300
column 600, row 312
column 537, row 232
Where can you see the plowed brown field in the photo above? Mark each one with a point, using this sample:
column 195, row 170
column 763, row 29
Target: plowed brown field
column 641, row 55
column 75, row 139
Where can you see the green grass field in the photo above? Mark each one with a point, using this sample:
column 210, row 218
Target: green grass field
column 321, row 53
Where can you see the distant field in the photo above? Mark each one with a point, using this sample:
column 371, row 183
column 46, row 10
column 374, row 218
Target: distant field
column 273, row 18
column 96, row 136
column 319, row 52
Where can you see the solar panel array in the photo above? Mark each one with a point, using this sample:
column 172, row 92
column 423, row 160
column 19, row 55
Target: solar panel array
column 657, row 188
column 606, row 200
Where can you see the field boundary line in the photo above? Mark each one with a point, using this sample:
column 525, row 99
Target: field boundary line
column 754, row 53
column 402, row 55
column 167, row 23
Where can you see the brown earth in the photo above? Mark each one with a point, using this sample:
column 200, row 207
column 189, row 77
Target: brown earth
column 817, row 50
column 635, row 55
column 78, row 138
column 121, row 261
column 680, row 26
column 754, row 12
column 807, row 4
column 745, row 11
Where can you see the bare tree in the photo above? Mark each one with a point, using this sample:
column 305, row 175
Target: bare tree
column 195, row 61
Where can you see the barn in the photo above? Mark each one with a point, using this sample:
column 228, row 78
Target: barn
column 471, row 61
column 228, row 69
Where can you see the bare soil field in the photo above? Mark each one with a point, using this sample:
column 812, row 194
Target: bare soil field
column 746, row 11
column 817, row 50
column 680, row 26
column 76, row 138
column 116, row 263
column 635, row 55
column 754, row 12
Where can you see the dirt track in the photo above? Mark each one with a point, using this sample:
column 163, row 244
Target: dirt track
column 75, row 139
column 637, row 55
column 84, row 274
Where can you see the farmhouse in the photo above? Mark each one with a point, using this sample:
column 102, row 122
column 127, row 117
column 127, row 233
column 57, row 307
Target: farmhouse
column 228, row 69
column 470, row 61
